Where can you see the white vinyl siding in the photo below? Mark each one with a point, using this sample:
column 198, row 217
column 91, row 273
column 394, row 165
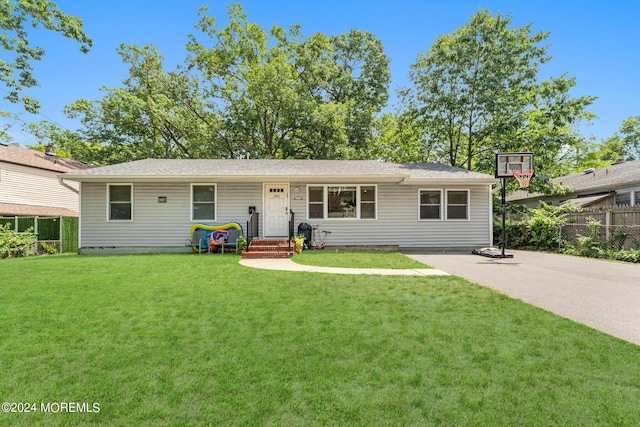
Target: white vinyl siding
column 25, row 185
column 163, row 225
column 120, row 202
column 397, row 219
column 345, row 201
column 203, row 202
column 160, row 224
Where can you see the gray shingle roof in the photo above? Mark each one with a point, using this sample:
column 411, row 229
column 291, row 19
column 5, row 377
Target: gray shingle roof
column 614, row 176
column 243, row 168
column 611, row 178
column 439, row 171
column 38, row 159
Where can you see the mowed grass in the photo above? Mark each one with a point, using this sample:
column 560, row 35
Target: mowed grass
column 358, row 259
column 201, row 340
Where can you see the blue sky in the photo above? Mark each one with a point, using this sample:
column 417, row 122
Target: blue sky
column 597, row 42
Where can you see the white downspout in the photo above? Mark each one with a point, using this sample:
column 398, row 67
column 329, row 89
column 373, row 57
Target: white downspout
column 65, row 185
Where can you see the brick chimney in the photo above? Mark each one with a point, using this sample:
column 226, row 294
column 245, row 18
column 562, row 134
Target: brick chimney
column 50, row 150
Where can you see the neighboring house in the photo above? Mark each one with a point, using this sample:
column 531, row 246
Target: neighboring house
column 29, row 186
column 150, row 205
column 618, row 184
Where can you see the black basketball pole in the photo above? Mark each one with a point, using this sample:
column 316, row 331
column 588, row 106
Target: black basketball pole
column 504, row 216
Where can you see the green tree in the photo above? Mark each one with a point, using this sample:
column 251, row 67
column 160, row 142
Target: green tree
column 242, row 92
column 154, row 114
column 280, row 95
column 16, row 70
column 476, row 91
column 68, row 143
column 624, row 144
column 591, row 155
column 360, row 81
column 400, row 139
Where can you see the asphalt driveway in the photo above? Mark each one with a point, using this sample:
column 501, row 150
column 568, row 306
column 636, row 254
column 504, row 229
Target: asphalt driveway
column 601, row 294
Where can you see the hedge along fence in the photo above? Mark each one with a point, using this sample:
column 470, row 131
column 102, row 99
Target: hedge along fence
column 63, row 229
column 550, row 228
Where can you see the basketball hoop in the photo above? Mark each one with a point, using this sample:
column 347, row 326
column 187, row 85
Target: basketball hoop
column 523, row 177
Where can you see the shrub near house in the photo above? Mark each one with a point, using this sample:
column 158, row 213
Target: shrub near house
column 546, row 229
column 13, row 244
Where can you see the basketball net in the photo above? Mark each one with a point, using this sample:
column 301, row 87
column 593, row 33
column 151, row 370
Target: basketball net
column 523, row 177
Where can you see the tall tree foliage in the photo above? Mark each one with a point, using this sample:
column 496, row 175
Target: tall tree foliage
column 280, row 95
column 624, row 144
column 477, row 91
column 18, row 55
column 154, row 114
column 242, row 91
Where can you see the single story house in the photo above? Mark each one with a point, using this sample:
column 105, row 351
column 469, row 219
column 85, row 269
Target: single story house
column 29, row 186
column 150, row 205
column 618, row 184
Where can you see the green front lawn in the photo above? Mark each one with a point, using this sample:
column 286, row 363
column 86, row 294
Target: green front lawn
column 201, row 340
column 358, row 259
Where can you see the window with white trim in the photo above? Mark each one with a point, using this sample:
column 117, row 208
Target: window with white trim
column 457, row 204
column 120, row 202
column 367, row 202
column 316, row 202
column 342, row 201
column 430, row 204
column 203, row 202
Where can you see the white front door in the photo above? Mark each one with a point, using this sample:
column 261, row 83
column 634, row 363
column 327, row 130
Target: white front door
column 276, row 202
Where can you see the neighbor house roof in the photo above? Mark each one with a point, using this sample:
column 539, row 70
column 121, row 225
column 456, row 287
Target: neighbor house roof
column 611, row 178
column 587, row 201
column 15, row 209
column 245, row 169
column 38, row 159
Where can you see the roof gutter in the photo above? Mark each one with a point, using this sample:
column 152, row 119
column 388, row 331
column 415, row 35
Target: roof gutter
column 67, row 186
column 449, row 181
column 394, row 178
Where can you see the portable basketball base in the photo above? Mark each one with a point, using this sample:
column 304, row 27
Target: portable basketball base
column 507, row 166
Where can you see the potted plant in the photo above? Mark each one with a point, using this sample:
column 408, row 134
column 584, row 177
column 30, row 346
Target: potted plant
column 299, row 243
column 242, row 243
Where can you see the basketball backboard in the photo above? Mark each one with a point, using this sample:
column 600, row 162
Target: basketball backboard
column 508, row 163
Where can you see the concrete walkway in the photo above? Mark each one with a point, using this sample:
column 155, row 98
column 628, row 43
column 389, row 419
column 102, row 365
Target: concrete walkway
column 288, row 265
column 604, row 295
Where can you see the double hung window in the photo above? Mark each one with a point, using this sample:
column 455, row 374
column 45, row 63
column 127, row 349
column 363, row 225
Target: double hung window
column 203, row 202
column 120, row 202
column 457, row 204
column 430, row 204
